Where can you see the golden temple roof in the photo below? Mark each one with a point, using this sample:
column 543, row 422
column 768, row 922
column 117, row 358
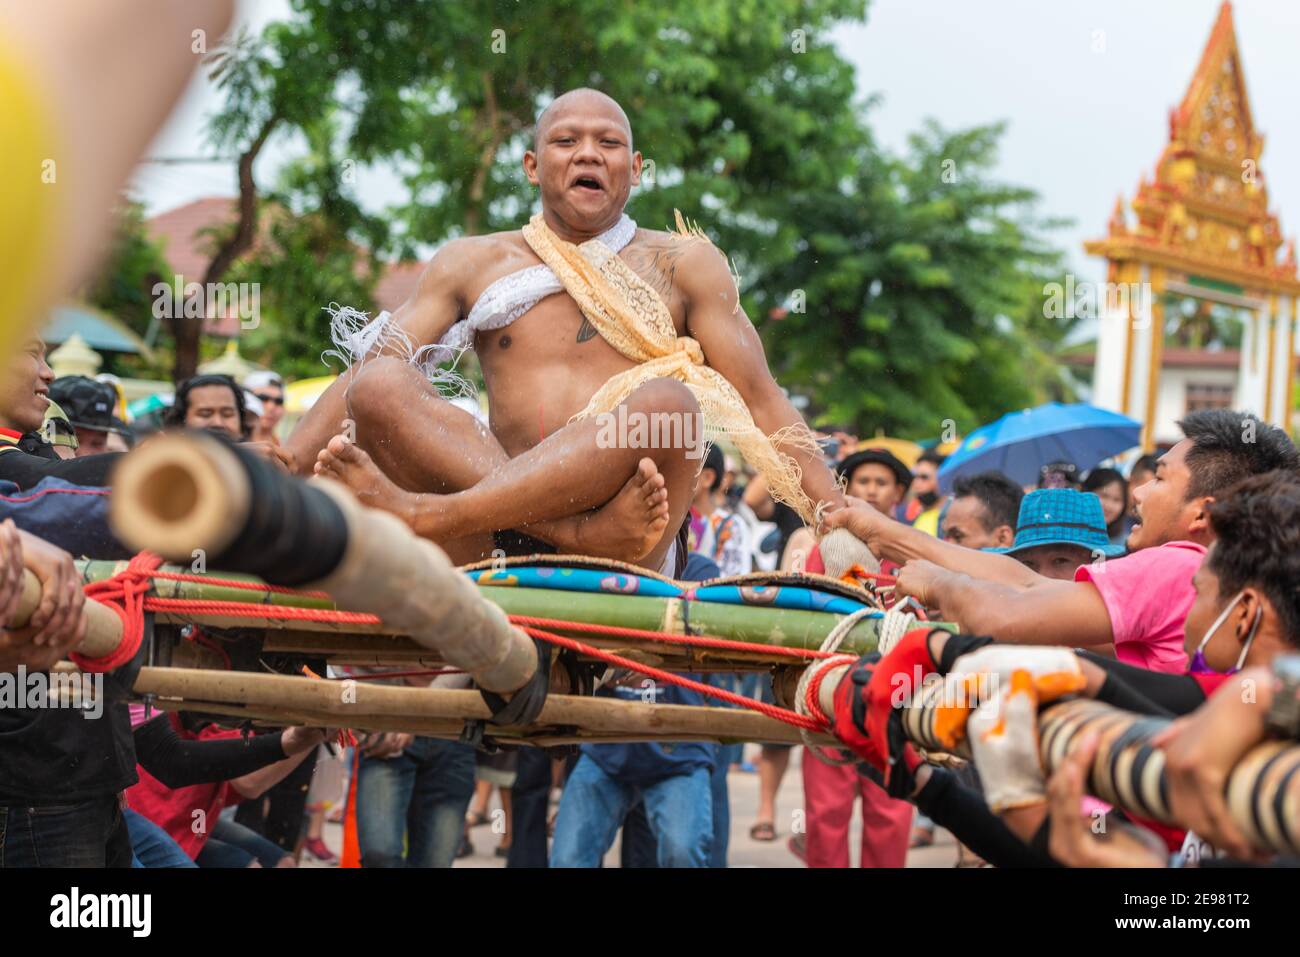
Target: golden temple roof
column 1205, row 212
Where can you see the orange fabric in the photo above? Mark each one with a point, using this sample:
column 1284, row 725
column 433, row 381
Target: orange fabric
column 351, row 856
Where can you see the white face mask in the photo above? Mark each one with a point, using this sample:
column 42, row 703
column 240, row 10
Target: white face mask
column 1200, row 666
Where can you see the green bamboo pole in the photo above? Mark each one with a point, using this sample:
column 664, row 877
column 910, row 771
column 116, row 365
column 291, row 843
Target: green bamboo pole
column 788, row 628
column 93, row 571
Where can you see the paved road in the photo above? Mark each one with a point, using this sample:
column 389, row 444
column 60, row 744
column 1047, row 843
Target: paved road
column 744, row 851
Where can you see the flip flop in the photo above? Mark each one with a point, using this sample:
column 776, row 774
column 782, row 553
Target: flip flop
column 763, row 831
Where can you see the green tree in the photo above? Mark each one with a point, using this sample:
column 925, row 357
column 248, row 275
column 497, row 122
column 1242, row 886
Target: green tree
column 302, row 266
column 921, row 291
column 921, row 279
column 273, row 83
column 730, row 99
column 135, row 262
column 123, row 287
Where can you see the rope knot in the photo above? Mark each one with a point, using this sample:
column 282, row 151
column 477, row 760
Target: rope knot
column 124, row 593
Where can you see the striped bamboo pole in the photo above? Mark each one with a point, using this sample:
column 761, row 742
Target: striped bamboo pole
column 1263, row 790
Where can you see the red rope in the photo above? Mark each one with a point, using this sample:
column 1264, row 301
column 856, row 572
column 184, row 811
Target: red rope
column 772, row 711
column 124, row 593
column 239, row 609
column 234, row 583
column 812, row 700
column 702, row 641
column 384, row 675
column 196, row 635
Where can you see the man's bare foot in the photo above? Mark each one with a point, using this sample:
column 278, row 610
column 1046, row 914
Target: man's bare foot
column 344, row 462
column 629, row 525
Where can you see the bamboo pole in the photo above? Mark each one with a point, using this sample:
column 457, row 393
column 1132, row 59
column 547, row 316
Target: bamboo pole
column 383, row 650
column 103, row 626
column 96, row 570
column 359, row 704
column 783, row 627
column 183, row 493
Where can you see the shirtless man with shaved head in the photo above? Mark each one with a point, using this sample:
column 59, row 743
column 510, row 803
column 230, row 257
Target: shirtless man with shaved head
column 534, row 471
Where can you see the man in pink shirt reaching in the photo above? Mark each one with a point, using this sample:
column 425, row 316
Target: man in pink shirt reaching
column 1135, row 604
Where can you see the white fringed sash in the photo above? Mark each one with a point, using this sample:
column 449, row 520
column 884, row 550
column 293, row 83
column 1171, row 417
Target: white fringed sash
column 356, row 335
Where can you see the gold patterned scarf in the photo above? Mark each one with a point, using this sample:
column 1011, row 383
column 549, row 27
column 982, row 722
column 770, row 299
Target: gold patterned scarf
column 632, row 318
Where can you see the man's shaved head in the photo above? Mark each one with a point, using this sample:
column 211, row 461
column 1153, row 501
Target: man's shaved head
column 582, row 100
column 583, row 163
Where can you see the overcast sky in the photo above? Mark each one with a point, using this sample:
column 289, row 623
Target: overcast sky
column 1084, row 85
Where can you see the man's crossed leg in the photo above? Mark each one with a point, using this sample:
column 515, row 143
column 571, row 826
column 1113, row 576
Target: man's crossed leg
column 441, row 471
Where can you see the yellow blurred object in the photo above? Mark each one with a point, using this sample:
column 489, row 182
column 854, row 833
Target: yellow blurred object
column 903, row 450
column 949, row 447
column 302, row 395
column 29, row 196
column 230, row 363
column 75, row 357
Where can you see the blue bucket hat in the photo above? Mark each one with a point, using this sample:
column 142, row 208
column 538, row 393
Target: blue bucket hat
column 1061, row 516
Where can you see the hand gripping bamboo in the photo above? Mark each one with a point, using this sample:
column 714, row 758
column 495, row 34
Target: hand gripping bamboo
column 1263, row 790
column 103, row 626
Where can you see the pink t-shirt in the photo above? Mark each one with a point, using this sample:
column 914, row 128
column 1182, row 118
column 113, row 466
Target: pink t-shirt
column 1147, row 596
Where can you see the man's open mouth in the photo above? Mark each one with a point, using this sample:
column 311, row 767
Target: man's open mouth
column 590, row 183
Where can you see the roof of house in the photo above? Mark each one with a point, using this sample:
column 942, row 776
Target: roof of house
column 1173, row 358
column 181, row 231
column 189, row 248
column 97, row 328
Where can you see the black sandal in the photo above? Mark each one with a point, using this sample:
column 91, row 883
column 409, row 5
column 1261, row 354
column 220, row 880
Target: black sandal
column 763, row 831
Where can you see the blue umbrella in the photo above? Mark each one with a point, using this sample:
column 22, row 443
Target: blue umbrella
column 1020, row 443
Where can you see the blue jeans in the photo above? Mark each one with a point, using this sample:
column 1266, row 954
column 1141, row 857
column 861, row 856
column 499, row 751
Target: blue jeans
column 87, row 834
column 233, row 845
column 728, row 754
column 639, row 849
column 151, row 845
column 721, row 814
column 420, row 795
column 679, row 808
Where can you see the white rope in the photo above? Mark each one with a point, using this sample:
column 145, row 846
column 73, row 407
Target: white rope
column 831, row 644
column 892, row 628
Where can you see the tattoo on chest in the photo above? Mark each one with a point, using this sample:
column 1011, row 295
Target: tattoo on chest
column 656, row 263
column 586, row 330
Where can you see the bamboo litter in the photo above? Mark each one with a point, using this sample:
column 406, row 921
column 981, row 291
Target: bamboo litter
column 376, row 644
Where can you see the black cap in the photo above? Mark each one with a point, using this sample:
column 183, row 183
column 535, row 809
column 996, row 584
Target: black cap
column 87, row 403
column 880, row 457
column 714, row 459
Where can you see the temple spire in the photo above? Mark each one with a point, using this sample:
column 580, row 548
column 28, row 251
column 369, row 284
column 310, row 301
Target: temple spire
column 1205, row 206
